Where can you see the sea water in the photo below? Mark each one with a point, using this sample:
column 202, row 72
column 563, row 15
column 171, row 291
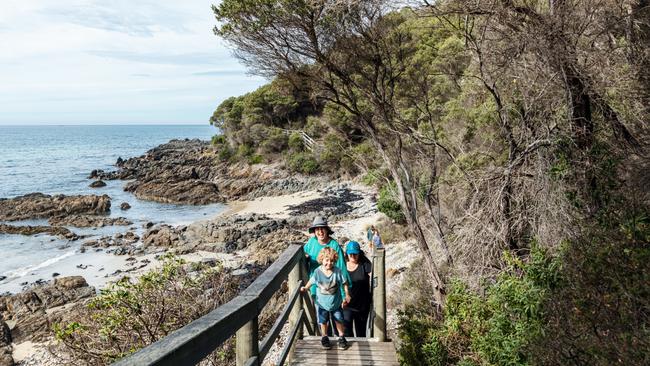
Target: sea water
column 58, row 159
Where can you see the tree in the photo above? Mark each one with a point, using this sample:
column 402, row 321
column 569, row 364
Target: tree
column 366, row 58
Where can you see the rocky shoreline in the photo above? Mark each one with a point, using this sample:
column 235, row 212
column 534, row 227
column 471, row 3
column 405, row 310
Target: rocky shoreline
column 181, row 172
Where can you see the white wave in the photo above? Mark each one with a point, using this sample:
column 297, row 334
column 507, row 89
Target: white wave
column 26, row 270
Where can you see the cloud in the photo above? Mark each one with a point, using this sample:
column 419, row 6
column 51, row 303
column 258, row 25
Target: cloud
column 85, row 61
column 192, row 58
column 218, row 73
column 142, row 19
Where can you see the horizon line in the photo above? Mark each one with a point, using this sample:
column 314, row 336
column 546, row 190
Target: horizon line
column 106, row 124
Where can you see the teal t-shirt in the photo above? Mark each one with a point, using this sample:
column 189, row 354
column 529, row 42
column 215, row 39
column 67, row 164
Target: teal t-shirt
column 313, row 247
column 328, row 293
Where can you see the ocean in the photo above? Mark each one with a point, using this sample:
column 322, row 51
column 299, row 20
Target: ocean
column 58, row 159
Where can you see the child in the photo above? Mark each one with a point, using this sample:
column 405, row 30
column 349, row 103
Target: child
column 328, row 279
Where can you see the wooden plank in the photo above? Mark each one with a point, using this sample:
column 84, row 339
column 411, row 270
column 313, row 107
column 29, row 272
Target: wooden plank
column 190, row 344
column 341, row 356
column 246, row 342
column 357, row 352
column 345, row 363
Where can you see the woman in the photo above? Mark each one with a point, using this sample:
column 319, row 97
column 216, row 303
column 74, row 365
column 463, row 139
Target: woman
column 321, row 239
column 357, row 310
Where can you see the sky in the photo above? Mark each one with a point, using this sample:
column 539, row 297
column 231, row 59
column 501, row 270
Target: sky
column 114, row 62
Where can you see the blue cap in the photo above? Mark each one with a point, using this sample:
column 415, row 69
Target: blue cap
column 353, row 248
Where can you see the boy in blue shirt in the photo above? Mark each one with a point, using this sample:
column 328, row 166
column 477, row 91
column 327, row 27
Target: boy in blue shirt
column 329, row 280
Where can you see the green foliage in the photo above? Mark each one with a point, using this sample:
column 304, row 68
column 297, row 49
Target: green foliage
column 129, row 315
column 218, row 140
column 303, row 162
column 295, row 142
column 496, row 329
column 388, row 204
column 256, row 120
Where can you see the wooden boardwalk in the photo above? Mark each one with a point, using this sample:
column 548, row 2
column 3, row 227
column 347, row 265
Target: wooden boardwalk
column 362, row 351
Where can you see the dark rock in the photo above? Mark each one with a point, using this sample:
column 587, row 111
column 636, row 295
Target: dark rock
column 60, row 231
column 334, row 203
column 38, row 205
column 5, row 333
column 2, row 278
column 56, row 274
column 88, row 221
column 125, row 206
column 148, row 225
column 97, row 184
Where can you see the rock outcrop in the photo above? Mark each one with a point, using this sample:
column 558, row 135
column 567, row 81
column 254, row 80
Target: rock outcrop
column 59, row 231
column 97, row 184
column 38, row 206
column 5, row 344
column 188, row 172
column 28, row 308
column 88, row 221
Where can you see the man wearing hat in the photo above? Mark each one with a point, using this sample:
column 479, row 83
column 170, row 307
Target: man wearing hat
column 316, row 243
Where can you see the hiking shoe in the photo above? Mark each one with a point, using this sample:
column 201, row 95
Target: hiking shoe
column 343, row 343
column 325, row 342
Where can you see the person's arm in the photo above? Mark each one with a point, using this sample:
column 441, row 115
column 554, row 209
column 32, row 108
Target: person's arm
column 347, row 297
column 306, row 286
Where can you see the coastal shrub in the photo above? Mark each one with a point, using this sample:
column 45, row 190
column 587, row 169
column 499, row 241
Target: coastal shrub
column 255, row 159
column 295, row 142
column 218, row 140
column 602, row 317
column 225, row 153
column 302, row 162
column 387, row 203
column 131, row 314
column 275, row 141
column 495, row 329
column 332, row 153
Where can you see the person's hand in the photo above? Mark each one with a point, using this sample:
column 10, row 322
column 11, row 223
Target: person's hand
column 303, row 289
column 347, row 299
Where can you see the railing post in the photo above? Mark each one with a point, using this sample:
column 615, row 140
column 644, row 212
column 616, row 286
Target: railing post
column 246, row 341
column 379, row 296
column 294, row 317
column 310, row 309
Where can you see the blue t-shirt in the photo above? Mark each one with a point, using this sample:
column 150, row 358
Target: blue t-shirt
column 328, row 293
column 313, row 247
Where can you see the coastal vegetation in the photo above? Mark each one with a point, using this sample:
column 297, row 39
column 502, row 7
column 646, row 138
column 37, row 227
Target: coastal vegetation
column 131, row 314
column 511, row 139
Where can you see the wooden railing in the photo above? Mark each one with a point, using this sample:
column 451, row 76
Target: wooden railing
column 309, row 142
column 192, row 343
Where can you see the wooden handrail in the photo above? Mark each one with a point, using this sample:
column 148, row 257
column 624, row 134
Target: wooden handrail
column 193, row 342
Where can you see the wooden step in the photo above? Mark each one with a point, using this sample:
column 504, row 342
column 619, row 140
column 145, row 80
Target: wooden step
column 361, row 351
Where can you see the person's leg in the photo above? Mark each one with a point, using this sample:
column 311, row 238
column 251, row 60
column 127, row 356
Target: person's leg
column 360, row 320
column 338, row 320
column 348, row 315
column 323, row 321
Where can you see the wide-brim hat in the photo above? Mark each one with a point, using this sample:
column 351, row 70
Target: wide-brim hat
column 320, row 221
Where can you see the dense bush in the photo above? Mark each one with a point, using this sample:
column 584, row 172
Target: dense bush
column 388, row 204
column 303, row 162
column 495, row 329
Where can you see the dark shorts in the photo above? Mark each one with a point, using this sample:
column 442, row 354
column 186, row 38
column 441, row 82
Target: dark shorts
column 324, row 315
